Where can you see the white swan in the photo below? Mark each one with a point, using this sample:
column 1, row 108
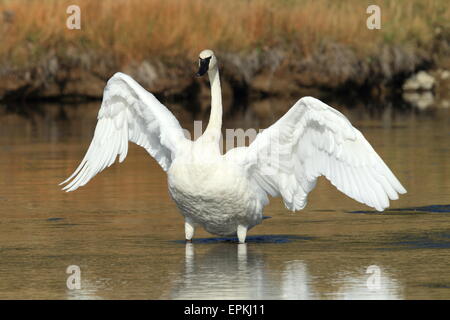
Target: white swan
column 226, row 193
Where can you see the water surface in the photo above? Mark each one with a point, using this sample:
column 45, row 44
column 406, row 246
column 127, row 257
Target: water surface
column 126, row 235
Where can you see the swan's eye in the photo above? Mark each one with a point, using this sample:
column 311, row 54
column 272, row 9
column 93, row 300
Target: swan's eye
column 205, row 60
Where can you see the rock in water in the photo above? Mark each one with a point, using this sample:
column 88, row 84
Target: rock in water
column 420, row 81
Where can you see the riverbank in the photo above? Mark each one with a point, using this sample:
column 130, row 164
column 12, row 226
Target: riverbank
column 266, row 48
column 331, row 70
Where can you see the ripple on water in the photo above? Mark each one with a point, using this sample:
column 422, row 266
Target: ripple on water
column 251, row 239
column 435, row 208
column 428, row 240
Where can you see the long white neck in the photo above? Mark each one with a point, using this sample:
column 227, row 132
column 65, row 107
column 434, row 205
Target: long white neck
column 214, row 128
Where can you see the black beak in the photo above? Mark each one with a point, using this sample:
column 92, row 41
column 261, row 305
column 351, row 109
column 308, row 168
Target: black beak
column 203, row 67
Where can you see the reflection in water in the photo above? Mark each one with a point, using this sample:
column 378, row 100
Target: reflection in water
column 296, row 283
column 357, row 287
column 123, row 230
column 237, row 272
column 225, row 272
column 88, row 291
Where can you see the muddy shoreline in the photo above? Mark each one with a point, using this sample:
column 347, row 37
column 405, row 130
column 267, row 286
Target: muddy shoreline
column 331, row 70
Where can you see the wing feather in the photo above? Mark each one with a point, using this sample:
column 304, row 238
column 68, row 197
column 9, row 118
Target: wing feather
column 128, row 113
column 312, row 139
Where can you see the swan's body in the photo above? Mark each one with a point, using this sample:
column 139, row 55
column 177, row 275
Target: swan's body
column 218, row 207
column 226, row 193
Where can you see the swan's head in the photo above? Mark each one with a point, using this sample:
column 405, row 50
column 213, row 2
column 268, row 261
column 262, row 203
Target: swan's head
column 207, row 61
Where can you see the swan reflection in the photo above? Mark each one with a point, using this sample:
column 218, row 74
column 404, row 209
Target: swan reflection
column 230, row 271
column 225, row 272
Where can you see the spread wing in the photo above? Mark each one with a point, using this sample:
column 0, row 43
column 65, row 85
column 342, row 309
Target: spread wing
column 311, row 140
column 128, row 113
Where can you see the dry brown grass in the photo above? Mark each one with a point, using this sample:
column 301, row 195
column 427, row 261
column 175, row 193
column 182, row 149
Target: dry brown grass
column 133, row 30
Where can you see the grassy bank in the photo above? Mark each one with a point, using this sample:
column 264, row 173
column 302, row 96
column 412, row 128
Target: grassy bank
column 135, row 30
column 266, row 47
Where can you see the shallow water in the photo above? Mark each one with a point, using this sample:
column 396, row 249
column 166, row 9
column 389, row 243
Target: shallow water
column 126, row 235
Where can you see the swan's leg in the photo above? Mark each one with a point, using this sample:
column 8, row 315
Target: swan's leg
column 189, row 229
column 242, row 233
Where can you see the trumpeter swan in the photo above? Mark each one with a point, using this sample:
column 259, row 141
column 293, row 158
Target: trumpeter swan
column 226, row 193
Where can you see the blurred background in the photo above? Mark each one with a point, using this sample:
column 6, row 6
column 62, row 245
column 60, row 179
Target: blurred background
column 124, row 231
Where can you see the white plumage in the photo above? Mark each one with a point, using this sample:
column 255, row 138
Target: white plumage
column 226, row 193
